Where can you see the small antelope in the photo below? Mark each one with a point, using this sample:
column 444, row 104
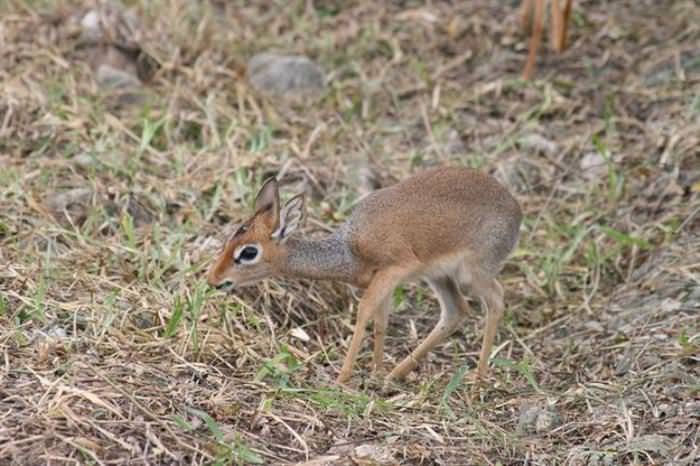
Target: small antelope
column 453, row 227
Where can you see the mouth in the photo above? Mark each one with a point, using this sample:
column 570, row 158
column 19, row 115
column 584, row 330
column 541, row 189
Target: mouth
column 226, row 287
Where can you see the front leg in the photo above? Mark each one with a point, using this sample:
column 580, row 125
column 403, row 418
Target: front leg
column 380, row 323
column 379, row 290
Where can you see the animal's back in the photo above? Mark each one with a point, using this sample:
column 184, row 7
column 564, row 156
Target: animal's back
column 437, row 212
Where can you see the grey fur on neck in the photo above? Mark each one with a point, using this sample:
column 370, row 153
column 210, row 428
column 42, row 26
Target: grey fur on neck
column 328, row 258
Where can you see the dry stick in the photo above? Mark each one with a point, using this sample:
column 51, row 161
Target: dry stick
column 154, row 438
column 553, row 323
column 45, row 382
column 454, row 63
column 119, row 125
column 81, row 448
column 14, row 443
column 150, row 414
column 294, row 433
column 304, row 155
column 429, row 128
column 522, row 344
column 130, row 448
column 689, row 219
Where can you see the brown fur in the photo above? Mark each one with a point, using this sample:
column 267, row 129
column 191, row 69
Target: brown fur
column 451, row 226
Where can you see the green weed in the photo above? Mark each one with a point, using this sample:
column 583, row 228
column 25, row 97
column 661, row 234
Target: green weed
column 523, row 367
column 451, row 387
column 227, row 452
column 279, row 369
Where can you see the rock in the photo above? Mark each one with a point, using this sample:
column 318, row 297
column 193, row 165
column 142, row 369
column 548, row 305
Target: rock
column 374, row 455
column 136, row 206
column 121, row 85
column 113, row 78
column 111, row 38
column 593, row 166
column 91, row 30
column 546, row 421
column 110, row 22
column 289, row 76
column 453, row 144
column 57, row 332
column 539, row 143
column 84, row 160
column 665, row 410
column 523, row 174
column 538, row 419
column 70, row 207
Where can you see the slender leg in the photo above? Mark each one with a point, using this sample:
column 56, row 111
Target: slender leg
column 380, row 323
column 453, row 310
column 492, row 296
column 556, row 29
column 525, row 12
column 565, row 25
column 380, row 289
column 535, row 39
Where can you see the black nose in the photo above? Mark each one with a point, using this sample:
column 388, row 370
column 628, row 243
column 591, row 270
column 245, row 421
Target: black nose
column 224, row 286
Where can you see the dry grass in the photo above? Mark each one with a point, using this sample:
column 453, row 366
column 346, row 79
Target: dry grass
column 112, row 350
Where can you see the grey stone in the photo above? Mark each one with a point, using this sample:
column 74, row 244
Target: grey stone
column 57, row 332
column 71, row 206
column 538, row 419
column 538, row 143
column 113, row 78
column 593, row 166
column 291, row 76
column 122, row 85
column 110, row 22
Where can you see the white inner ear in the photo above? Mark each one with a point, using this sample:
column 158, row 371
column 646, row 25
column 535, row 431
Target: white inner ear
column 290, row 218
column 237, row 253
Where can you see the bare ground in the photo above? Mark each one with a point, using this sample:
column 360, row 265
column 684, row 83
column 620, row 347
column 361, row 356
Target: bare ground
column 113, row 351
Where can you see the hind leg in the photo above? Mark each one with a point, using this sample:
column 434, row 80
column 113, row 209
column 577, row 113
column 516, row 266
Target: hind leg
column 453, row 311
column 474, row 277
column 535, row 39
column 465, row 277
column 491, row 294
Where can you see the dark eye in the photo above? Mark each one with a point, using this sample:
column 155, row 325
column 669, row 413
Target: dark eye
column 248, row 254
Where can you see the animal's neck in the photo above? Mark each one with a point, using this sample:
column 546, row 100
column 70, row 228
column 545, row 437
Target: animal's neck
column 327, row 258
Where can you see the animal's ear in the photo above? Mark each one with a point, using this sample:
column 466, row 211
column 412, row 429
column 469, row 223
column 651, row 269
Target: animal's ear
column 290, row 218
column 267, row 204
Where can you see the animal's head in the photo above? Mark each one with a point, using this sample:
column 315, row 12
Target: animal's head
column 257, row 247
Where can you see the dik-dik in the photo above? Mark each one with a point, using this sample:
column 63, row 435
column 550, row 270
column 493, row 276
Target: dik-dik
column 452, row 227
